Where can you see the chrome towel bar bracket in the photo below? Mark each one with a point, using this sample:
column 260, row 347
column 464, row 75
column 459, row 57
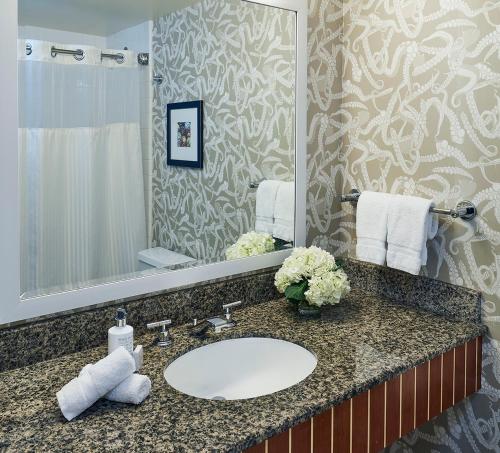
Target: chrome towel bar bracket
column 464, row 210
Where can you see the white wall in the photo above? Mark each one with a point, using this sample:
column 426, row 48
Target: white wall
column 136, row 38
column 9, row 197
column 61, row 36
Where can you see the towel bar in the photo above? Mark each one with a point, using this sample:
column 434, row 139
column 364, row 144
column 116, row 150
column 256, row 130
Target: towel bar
column 465, row 210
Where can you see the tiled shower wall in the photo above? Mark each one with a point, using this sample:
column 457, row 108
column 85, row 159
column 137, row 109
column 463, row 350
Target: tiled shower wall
column 404, row 98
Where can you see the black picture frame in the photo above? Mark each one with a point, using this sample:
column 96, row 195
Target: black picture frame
column 172, row 141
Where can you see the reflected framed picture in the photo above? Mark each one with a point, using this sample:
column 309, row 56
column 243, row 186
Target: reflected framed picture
column 185, row 134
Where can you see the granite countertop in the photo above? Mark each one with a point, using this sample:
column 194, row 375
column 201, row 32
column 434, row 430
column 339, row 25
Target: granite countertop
column 361, row 342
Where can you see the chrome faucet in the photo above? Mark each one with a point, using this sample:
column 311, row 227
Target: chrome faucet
column 219, row 324
column 164, row 339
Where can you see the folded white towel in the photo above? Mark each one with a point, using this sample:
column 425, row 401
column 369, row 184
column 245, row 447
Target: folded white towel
column 83, row 391
column 371, row 226
column 432, row 228
column 132, row 390
column 409, row 226
column 284, row 212
column 265, row 204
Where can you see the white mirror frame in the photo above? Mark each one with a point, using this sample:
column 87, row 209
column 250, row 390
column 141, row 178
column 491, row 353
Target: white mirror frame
column 12, row 308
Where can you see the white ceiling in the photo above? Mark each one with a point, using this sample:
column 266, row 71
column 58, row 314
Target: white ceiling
column 95, row 17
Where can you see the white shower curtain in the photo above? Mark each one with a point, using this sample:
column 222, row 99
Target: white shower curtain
column 82, row 192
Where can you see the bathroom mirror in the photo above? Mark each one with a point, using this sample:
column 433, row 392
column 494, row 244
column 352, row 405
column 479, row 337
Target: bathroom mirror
column 159, row 144
column 149, row 159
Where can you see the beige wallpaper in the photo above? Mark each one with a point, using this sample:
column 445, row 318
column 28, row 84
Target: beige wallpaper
column 239, row 57
column 404, row 97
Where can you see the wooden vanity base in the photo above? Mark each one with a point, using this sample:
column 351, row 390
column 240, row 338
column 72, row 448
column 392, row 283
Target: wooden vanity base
column 375, row 419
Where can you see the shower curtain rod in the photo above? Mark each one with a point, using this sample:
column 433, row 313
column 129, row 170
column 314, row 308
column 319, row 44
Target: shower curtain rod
column 78, row 53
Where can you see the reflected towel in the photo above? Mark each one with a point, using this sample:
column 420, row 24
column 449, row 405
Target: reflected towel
column 265, row 205
column 284, row 212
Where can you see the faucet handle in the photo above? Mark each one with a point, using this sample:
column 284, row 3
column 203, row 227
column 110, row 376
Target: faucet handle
column 162, row 324
column 227, row 309
column 231, row 305
column 163, row 335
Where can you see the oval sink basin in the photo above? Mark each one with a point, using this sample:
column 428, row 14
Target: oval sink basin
column 241, row 368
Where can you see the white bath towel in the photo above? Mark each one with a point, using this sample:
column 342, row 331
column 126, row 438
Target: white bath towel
column 284, row 212
column 83, row 391
column 265, row 204
column 371, row 226
column 132, row 390
column 409, row 226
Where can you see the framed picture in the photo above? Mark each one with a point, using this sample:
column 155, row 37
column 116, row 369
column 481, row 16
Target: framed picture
column 185, row 134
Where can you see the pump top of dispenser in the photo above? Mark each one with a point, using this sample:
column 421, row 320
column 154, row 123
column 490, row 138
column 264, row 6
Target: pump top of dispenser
column 121, row 317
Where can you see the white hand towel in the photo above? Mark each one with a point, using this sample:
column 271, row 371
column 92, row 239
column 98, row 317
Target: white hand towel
column 409, row 226
column 371, row 226
column 432, row 228
column 83, row 391
column 264, row 208
column 284, row 212
column 132, row 390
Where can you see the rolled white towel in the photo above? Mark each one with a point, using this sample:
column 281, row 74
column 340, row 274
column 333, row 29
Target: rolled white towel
column 82, row 392
column 132, row 390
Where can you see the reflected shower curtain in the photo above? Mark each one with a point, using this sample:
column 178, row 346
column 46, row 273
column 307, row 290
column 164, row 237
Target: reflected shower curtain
column 82, row 193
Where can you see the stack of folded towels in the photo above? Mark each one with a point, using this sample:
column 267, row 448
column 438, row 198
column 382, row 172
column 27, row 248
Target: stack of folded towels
column 275, row 209
column 394, row 228
column 112, row 378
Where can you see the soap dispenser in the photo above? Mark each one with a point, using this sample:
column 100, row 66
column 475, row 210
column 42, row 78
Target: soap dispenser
column 121, row 334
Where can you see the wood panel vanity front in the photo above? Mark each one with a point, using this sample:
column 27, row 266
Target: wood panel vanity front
column 378, row 417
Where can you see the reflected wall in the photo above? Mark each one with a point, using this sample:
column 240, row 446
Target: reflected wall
column 239, row 57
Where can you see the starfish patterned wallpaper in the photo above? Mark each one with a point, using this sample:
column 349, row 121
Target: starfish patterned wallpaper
column 404, row 97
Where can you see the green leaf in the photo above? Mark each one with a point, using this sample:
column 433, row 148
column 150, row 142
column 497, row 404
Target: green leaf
column 296, row 290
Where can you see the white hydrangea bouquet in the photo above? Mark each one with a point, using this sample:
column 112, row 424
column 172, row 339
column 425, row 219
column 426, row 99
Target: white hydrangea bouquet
column 250, row 244
column 310, row 278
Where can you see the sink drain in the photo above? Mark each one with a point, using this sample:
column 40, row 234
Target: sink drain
column 219, row 398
